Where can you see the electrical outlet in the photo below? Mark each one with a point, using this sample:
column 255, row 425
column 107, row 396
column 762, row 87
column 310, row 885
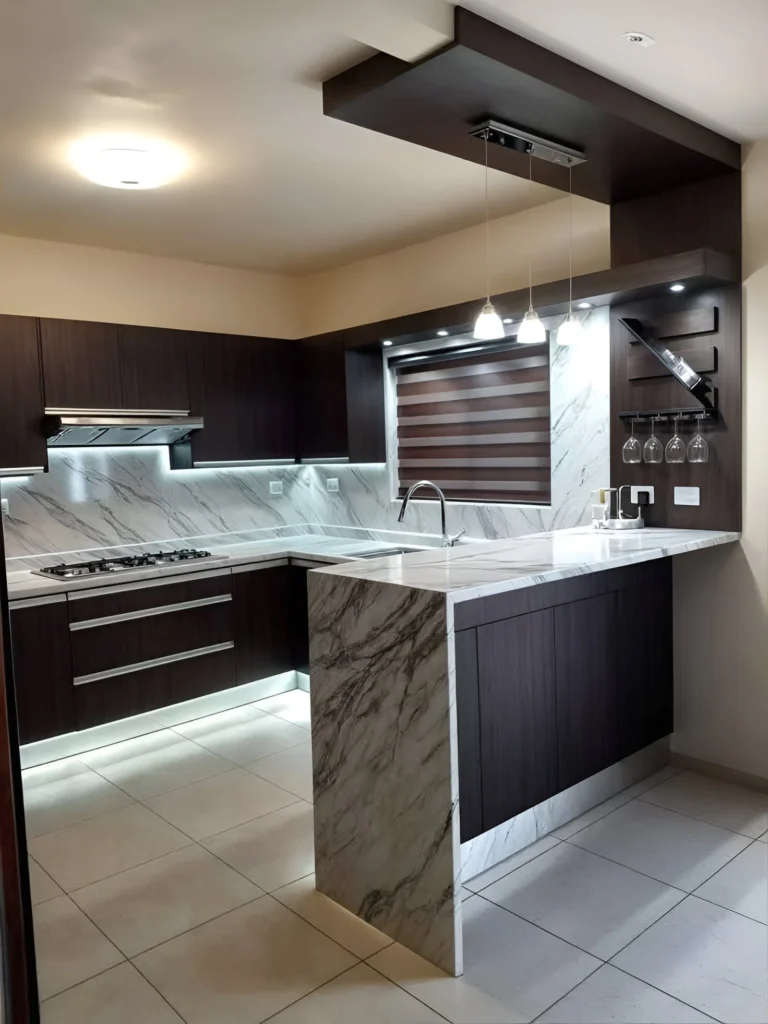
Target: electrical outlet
column 687, row 496
column 332, row 485
column 275, row 486
column 635, row 492
column 4, row 509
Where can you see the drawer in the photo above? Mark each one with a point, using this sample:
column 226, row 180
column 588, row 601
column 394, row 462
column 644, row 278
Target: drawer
column 149, row 634
column 142, row 596
column 158, row 686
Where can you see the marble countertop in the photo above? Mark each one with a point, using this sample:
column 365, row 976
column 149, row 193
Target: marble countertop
column 493, row 567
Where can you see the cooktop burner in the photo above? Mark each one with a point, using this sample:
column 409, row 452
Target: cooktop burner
column 127, row 562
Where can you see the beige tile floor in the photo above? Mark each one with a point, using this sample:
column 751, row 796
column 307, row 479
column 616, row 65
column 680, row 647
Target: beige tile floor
column 172, row 882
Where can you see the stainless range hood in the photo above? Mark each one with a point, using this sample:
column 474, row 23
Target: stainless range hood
column 99, row 428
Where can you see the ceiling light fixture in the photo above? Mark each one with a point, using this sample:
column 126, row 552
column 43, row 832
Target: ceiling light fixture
column 442, row 334
column 570, row 330
column 488, row 326
column 584, row 305
column 677, row 287
column 127, row 163
column 386, row 343
column 639, row 39
column 531, row 330
column 507, row 320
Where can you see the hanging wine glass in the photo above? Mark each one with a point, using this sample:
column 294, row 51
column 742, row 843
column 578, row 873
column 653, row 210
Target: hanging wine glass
column 632, row 450
column 675, row 450
column 653, row 450
column 698, row 449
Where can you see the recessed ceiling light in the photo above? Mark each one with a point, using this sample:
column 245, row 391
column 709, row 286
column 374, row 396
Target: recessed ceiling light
column 639, row 38
column 584, row 305
column 127, row 163
column 442, row 334
column 507, row 320
column 386, row 343
column 677, row 287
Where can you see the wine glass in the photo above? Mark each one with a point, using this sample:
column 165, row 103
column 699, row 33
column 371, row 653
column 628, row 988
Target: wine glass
column 675, row 450
column 632, row 450
column 698, row 449
column 653, row 450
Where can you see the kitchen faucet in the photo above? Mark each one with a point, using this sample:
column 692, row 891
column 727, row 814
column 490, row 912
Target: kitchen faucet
column 448, row 540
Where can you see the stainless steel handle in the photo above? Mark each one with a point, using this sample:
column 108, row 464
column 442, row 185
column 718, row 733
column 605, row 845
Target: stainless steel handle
column 35, row 602
column 140, row 666
column 109, row 588
column 147, row 613
column 21, row 470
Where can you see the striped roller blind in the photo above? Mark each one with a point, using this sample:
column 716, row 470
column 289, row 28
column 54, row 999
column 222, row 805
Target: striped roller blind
column 477, row 425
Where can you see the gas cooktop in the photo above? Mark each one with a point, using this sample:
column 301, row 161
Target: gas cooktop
column 100, row 566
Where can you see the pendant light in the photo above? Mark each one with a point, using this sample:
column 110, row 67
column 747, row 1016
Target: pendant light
column 531, row 330
column 570, row 330
column 488, row 326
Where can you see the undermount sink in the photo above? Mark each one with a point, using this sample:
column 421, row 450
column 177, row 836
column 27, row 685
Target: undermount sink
column 383, row 552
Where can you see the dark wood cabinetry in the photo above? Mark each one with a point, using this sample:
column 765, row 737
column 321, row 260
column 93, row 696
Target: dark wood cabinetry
column 243, row 388
column 81, row 364
column 556, row 683
column 42, row 669
column 299, row 606
column 22, row 445
column 153, row 369
column 263, row 623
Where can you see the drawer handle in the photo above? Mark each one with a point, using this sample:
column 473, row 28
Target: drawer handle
column 140, row 666
column 145, row 613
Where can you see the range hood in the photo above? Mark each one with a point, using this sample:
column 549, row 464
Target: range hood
column 99, row 428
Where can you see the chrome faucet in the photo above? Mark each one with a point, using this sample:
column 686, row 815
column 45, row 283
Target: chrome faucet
column 448, row 540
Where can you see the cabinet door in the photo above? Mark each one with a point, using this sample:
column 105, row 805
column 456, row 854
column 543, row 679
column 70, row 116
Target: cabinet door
column 645, row 676
column 153, row 368
column 322, row 406
column 516, row 676
column 22, row 444
column 81, row 365
column 263, row 622
column 468, row 723
column 300, row 618
column 585, row 646
column 43, row 670
column 243, row 387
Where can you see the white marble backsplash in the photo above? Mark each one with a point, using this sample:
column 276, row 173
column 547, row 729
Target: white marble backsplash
column 97, row 498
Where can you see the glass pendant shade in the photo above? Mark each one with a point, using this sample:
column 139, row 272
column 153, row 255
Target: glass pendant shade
column 570, row 330
column 531, row 331
column 488, row 326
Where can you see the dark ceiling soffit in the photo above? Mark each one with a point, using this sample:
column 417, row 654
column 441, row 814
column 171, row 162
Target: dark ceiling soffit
column 698, row 269
column 634, row 145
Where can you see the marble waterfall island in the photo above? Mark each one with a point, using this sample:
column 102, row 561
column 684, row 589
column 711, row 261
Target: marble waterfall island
column 456, row 692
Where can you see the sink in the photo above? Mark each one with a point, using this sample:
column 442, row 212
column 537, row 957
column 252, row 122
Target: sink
column 383, row 552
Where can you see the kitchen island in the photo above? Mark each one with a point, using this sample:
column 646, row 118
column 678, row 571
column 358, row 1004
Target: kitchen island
column 467, row 700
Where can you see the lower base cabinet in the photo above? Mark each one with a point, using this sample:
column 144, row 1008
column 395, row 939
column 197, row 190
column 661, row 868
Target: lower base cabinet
column 558, row 682
column 263, row 623
column 42, row 669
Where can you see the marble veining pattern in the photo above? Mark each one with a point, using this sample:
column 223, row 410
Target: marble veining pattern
column 381, row 726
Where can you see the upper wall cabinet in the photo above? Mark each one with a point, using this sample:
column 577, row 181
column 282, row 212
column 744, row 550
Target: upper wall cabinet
column 153, row 369
column 22, row 445
column 243, row 388
column 341, row 401
column 81, row 364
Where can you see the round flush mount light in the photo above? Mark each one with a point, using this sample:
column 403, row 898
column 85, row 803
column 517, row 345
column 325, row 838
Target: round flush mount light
column 386, row 344
column 677, row 287
column 127, row 163
column 442, row 334
column 639, row 39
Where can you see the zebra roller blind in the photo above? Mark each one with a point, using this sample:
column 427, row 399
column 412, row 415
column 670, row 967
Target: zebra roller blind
column 477, row 425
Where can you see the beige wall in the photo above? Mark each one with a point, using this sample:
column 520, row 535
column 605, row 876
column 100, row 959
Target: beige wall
column 77, row 282
column 451, row 268
column 721, row 597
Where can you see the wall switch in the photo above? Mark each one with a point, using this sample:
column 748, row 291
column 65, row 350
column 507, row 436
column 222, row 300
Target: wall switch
column 687, row 496
column 275, row 486
column 648, row 489
column 4, row 509
column 332, row 485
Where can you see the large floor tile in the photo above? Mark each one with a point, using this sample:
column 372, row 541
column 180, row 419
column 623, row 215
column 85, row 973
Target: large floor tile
column 593, row 814
column 220, row 803
column 670, row 847
column 119, row 996
column 91, row 850
column 350, row 931
column 243, row 967
column 69, row 947
column 764, row 837
column 742, row 885
column 293, row 706
column 709, row 957
column 41, row 885
column 243, row 734
column 274, row 850
column 719, row 803
column 513, row 971
column 358, row 995
column 65, row 792
column 613, row 997
column 156, row 763
column 290, row 769
column 509, row 864
column 150, row 904
column 597, row 905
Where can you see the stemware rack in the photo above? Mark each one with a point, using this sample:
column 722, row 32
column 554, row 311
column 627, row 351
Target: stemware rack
column 666, row 415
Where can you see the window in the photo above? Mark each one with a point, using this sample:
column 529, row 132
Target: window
column 477, row 425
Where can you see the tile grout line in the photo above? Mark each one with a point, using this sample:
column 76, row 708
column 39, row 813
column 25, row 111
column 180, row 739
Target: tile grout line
column 656, row 987
column 476, row 892
column 566, row 994
column 402, row 987
column 702, row 821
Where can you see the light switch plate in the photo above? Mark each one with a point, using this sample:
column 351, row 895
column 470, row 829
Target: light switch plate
column 648, row 489
column 687, row 496
column 332, row 485
column 275, row 486
column 4, row 509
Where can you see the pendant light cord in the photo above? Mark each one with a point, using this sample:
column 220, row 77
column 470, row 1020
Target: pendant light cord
column 487, row 241
column 570, row 240
column 530, row 191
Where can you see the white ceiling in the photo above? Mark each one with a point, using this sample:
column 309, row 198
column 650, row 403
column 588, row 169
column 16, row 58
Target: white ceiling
column 273, row 184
